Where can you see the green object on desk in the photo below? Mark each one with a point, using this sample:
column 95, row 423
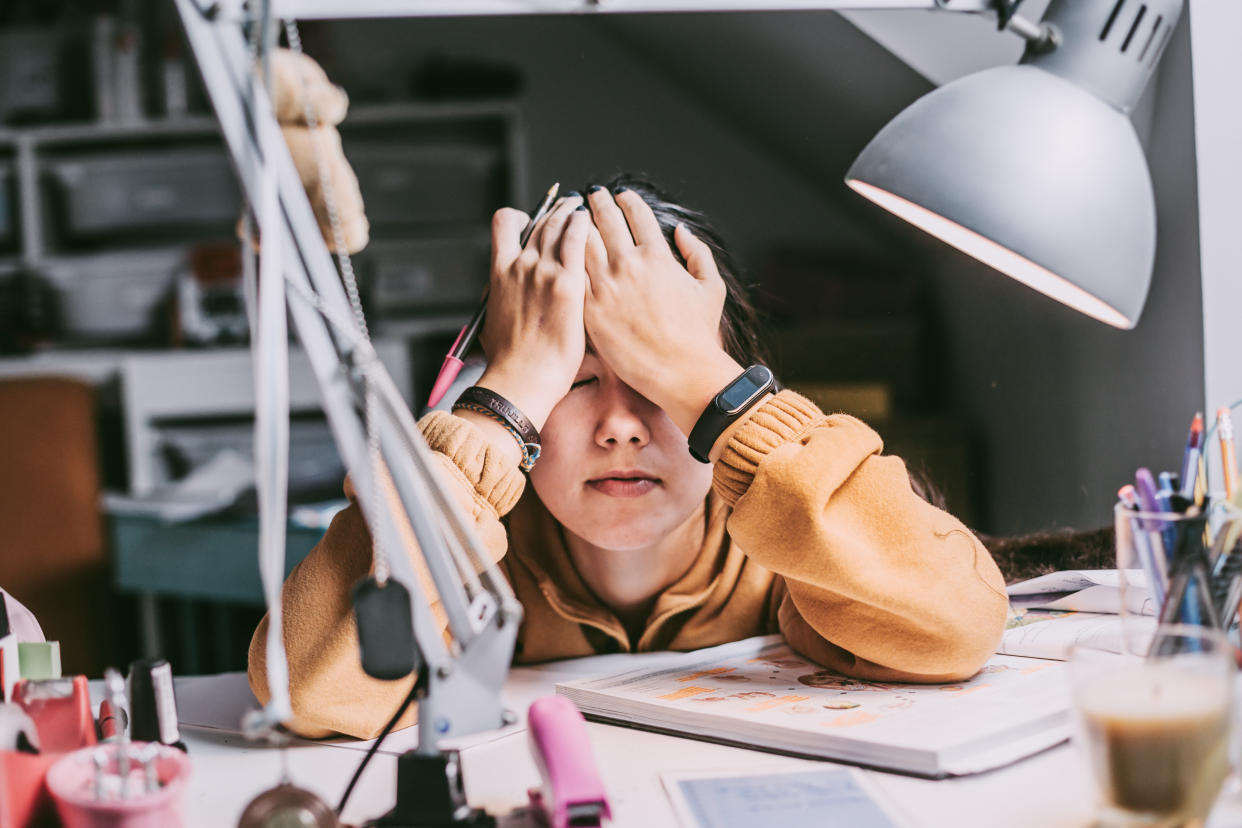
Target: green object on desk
column 37, row 660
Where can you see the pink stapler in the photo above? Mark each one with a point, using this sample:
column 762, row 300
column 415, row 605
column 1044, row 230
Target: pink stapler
column 572, row 793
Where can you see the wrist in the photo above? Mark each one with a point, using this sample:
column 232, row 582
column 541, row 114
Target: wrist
column 697, row 389
column 497, row 436
column 524, row 391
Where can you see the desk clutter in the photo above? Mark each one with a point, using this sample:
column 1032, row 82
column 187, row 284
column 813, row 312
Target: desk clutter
column 120, row 764
column 1185, row 540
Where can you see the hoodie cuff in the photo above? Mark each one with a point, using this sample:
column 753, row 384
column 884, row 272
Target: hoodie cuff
column 783, row 417
column 490, row 471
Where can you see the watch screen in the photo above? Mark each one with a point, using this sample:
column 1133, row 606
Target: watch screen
column 745, row 387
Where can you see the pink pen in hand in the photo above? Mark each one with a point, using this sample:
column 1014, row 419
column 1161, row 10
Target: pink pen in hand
column 470, row 331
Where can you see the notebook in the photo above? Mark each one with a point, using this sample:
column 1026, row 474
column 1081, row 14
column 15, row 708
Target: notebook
column 758, row 693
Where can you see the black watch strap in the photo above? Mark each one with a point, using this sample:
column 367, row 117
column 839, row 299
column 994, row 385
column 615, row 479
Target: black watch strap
column 734, row 401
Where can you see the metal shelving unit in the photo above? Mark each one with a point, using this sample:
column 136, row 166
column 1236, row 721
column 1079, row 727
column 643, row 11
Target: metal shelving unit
column 430, row 231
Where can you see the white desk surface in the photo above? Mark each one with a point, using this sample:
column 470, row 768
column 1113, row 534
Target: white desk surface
column 1050, row 790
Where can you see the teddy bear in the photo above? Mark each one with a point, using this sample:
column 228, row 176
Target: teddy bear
column 297, row 80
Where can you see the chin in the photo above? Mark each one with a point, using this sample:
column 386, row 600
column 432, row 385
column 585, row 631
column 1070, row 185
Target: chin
column 621, row 537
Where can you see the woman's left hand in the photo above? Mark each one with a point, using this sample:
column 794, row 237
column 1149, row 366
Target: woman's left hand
column 654, row 322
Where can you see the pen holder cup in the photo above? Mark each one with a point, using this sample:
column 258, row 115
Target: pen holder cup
column 90, row 792
column 1180, row 568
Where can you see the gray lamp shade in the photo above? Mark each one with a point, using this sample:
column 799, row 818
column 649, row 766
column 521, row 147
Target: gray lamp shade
column 1030, row 174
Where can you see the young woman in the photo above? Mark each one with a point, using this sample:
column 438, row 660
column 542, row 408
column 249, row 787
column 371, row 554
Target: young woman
column 611, row 331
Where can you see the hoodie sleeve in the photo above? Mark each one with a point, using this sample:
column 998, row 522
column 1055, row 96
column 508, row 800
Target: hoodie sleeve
column 881, row 584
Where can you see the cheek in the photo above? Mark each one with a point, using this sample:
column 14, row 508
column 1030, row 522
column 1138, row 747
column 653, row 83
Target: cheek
column 562, row 440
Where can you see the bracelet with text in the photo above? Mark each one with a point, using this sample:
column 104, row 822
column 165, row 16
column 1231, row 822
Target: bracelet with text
column 495, row 407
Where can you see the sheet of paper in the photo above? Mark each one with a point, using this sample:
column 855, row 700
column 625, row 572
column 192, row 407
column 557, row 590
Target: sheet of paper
column 1075, row 579
column 829, row 798
column 1052, row 634
column 1104, row 599
column 212, row 487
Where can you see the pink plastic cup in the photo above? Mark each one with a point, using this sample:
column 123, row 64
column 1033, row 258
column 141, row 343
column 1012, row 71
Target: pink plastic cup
column 72, row 783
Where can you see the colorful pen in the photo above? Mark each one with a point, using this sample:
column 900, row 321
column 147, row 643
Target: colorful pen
column 470, row 331
column 1145, row 488
column 1190, row 459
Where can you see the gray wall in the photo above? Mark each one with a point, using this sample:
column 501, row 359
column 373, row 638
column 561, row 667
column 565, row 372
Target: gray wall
column 1218, row 124
column 592, row 107
column 1067, row 407
column 755, row 117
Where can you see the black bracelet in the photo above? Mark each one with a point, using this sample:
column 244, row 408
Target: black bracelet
column 487, row 402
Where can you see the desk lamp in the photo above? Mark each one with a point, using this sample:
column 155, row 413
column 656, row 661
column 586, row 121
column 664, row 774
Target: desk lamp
column 1035, row 169
column 1060, row 217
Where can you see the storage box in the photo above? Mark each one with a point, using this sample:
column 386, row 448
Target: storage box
column 191, row 190
column 422, row 275
column 112, row 298
column 411, row 185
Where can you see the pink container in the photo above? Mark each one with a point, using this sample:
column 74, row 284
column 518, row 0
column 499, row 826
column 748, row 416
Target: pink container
column 73, row 785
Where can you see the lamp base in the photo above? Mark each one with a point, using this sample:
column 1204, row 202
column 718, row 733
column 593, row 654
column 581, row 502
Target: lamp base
column 430, row 795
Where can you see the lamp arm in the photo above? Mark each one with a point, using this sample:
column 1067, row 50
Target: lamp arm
column 465, row 676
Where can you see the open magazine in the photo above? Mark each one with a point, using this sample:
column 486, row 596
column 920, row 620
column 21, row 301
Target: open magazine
column 759, row 693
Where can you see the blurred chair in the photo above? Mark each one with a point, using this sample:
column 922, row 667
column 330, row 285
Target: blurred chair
column 52, row 553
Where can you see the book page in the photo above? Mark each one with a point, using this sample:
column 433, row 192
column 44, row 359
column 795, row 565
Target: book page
column 761, row 689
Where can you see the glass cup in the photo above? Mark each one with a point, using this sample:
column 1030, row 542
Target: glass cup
column 1180, row 566
column 1154, row 727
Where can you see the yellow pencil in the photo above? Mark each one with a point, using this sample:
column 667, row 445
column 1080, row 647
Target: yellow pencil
column 1228, row 455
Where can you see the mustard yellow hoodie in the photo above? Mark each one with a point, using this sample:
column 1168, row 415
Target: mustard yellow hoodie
column 810, row 532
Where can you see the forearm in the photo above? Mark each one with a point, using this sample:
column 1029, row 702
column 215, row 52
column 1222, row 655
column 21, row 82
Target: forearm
column 886, row 580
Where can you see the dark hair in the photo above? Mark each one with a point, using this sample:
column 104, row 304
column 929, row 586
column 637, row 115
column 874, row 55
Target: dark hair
column 739, row 323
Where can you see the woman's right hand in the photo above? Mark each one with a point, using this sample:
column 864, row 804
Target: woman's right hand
column 534, row 334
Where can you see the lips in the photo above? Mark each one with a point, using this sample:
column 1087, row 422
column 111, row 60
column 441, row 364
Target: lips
column 624, row 483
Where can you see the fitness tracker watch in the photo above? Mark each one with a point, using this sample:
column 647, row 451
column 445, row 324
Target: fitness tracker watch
column 734, row 401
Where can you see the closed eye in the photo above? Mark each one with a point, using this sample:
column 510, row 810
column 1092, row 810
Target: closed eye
column 581, row 383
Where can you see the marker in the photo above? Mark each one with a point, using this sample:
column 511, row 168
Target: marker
column 1190, row 463
column 1145, row 488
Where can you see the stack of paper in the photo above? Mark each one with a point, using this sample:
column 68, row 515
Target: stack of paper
column 1053, row 613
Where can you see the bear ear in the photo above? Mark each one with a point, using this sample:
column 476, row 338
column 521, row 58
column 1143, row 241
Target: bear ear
column 298, row 79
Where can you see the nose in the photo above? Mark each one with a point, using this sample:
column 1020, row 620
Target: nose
column 622, row 417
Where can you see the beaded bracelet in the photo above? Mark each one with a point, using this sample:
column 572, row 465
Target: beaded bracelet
column 530, row 451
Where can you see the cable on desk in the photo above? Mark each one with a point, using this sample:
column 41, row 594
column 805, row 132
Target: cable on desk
column 405, row 705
